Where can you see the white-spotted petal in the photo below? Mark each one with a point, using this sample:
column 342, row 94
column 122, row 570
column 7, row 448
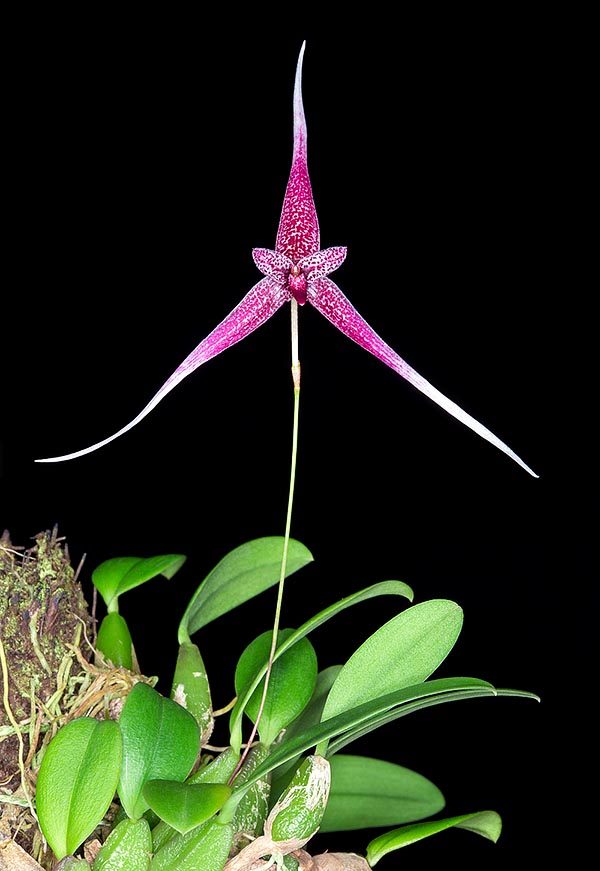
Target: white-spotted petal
column 327, row 298
column 323, row 262
column 270, row 262
column 259, row 304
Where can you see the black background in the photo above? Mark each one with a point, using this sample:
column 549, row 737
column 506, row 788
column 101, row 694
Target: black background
column 146, row 158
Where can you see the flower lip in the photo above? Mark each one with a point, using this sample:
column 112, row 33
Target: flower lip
column 297, row 284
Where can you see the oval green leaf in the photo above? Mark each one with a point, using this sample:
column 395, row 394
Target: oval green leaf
column 107, row 575
column 129, row 846
column 185, row 805
column 291, row 682
column 243, row 573
column 160, row 741
column 383, row 588
column 401, row 653
column 77, row 782
column 219, row 770
column 116, row 576
column 366, row 793
column 485, row 823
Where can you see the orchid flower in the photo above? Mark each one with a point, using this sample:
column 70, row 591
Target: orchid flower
column 298, row 269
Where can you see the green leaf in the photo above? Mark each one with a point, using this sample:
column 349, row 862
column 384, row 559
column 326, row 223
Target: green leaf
column 114, row 640
column 291, row 683
column 107, row 575
column 160, row 741
column 205, row 847
column 245, row 572
column 310, row 716
column 384, row 717
column 77, row 782
column 115, row 576
column 401, row 653
column 129, row 846
column 384, row 588
column 185, row 805
column 219, row 770
column 393, row 705
column 447, row 692
column 366, row 793
column 485, row 823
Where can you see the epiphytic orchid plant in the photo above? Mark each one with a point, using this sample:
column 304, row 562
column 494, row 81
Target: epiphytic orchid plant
column 137, row 786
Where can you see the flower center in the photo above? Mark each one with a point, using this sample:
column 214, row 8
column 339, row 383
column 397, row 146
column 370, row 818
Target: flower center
column 297, row 284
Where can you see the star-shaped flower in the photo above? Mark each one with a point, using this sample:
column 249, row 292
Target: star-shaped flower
column 298, row 270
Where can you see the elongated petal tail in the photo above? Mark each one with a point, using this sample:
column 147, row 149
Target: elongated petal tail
column 298, row 233
column 259, row 304
column 328, row 299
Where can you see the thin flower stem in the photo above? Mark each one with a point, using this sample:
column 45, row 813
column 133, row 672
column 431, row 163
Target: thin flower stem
column 288, row 526
column 296, row 377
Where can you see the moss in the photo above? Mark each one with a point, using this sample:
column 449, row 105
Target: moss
column 48, row 674
column 42, row 612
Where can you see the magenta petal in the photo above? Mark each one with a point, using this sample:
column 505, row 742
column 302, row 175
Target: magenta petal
column 327, row 298
column 323, row 262
column 255, row 308
column 298, row 233
column 270, row 262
